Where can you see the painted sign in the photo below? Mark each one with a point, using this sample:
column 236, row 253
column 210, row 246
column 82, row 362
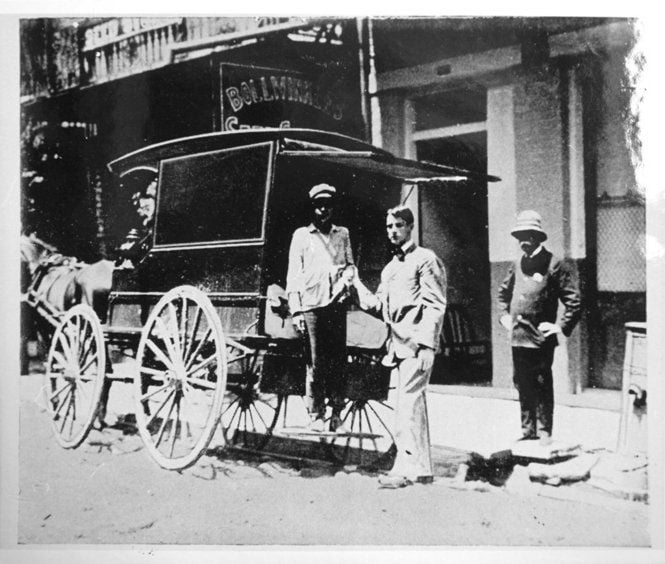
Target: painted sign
column 254, row 97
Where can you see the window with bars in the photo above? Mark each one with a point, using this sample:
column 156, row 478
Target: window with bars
column 621, row 262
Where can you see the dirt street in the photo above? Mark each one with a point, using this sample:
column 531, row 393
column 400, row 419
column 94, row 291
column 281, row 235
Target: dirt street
column 110, row 491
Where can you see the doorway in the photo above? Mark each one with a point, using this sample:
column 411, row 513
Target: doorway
column 453, row 223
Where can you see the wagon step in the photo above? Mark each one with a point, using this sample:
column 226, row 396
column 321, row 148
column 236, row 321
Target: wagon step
column 117, row 330
column 302, row 432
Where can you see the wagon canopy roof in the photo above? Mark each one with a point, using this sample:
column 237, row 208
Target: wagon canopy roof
column 299, row 143
column 151, row 155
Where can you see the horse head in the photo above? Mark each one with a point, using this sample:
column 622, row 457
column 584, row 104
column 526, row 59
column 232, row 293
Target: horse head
column 34, row 251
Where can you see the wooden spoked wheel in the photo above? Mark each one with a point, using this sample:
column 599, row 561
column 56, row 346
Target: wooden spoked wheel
column 248, row 416
column 368, row 415
column 180, row 377
column 369, row 436
column 74, row 377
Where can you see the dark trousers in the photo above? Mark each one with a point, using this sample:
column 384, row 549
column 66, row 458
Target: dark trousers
column 326, row 329
column 532, row 375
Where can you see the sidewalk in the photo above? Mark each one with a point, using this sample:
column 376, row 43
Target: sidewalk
column 461, row 418
column 471, row 429
column 467, row 421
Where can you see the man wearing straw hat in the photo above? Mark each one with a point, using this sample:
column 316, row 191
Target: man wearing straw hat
column 529, row 298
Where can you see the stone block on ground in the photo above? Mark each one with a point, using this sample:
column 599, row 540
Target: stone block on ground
column 575, row 469
column 446, row 461
column 534, row 450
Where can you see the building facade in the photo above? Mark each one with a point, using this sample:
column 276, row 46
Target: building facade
column 545, row 104
column 95, row 89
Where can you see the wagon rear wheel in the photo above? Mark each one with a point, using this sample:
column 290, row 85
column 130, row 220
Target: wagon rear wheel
column 369, row 440
column 248, row 416
column 75, row 372
column 180, row 377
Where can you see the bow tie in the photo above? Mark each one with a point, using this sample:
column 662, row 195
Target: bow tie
column 398, row 252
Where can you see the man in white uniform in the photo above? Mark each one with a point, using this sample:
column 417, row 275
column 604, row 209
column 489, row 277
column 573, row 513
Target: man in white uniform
column 412, row 300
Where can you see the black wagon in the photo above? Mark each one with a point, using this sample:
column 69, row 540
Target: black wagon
column 199, row 325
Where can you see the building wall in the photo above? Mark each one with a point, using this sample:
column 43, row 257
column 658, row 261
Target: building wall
column 537, row 178
column 535, row 144
column 619, row 265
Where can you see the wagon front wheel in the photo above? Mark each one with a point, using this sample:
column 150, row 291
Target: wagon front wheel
column 75, row 371
column 180, row 377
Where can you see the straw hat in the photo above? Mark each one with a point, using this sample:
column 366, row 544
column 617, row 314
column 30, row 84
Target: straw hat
column 529, row 221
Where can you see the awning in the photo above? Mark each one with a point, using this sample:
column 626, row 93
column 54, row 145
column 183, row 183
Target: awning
column 384, row 164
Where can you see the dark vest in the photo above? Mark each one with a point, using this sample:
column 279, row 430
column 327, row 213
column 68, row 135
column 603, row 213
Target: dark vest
column 534, row 300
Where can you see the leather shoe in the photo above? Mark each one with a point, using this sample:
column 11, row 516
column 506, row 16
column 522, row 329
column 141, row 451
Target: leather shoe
column 394, row 482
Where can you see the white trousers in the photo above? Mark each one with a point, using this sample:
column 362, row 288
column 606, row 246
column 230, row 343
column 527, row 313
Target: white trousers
column 413, row 457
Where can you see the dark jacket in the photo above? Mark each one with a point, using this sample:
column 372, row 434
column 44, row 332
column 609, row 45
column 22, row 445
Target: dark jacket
column 530, row 294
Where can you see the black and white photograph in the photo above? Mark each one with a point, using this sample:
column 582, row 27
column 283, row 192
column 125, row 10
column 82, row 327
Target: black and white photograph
column 332, row 284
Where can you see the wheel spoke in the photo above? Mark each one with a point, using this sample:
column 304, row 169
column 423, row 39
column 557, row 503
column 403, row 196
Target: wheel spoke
column 88, row 364
column 176, row 337
column 63, row 402
column 236, row 358
column 162, row 428
column 88, row 347
column 192, row 335
column 73, row 416
column 230, row 405
column 175, row 426
column 77, row 336
column 201, row 365
column 251, row 417
column 66, row 348
column 244, row 427
column 58, row 392
column 183, row 326
column 381, row 419
column 233, row 416
column 371, row 430
column 191, row 359
column 167, row 338
column 160, row 354
column 201, row 382
column 360, row 428
column 156, row 413
column 153, row 371
column 258, row 413
column 64, row 416
column 147, row 396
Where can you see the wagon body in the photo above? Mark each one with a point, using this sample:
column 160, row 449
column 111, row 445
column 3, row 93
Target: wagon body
column 227, row 204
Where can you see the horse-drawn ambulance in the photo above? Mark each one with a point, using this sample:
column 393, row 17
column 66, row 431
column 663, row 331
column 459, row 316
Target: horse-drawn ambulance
column 200, row 326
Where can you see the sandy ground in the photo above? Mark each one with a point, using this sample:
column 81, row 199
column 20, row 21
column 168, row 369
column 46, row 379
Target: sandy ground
column 110, row 491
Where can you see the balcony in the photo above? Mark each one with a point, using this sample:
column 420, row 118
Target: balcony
column 65, row 53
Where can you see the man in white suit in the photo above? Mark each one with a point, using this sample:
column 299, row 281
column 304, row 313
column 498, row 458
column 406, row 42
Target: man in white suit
column 411, row 299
